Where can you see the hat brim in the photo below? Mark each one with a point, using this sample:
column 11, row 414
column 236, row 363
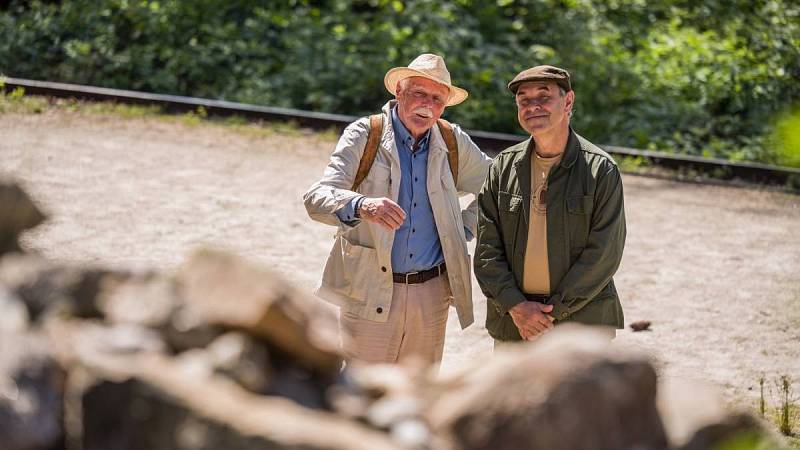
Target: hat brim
column 394, row 76
column 514, row 85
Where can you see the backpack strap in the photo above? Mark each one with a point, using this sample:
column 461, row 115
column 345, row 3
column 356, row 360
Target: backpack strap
column 373, row 138
column 370, row 149
column 452, row 147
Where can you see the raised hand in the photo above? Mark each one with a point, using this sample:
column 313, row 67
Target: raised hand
column 382, row 211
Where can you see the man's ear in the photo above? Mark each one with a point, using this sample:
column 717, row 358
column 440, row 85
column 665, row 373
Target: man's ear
column 569, row 102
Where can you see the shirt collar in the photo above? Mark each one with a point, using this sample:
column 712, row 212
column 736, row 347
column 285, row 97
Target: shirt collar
column 405, row 136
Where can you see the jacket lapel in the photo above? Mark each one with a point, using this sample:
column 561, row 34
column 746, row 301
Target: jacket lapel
column 389, row 147
column 523, row 168
column 437, row 152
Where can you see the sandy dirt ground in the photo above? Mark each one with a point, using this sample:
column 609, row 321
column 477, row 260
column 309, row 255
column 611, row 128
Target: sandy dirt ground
column 716, row 269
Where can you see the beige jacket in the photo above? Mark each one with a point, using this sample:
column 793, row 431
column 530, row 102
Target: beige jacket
column 358, row 273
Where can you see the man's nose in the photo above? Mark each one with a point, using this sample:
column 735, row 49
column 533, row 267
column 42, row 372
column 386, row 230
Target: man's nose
column 533, row 106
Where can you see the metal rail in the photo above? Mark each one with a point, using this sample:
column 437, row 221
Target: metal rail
column 489, row 142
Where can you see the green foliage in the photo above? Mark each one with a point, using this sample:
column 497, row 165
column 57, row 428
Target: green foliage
column 786, row 413
column 705, row 78
column 785, row 389
column 17, row 102
column 787, row 139
column 632, row 163
column 111, row 108
column 743, row 441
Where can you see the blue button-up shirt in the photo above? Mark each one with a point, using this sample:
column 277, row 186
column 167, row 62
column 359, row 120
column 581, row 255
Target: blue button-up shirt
column 416, row 243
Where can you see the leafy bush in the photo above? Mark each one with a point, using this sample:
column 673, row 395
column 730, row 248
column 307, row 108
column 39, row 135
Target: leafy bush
column 786, row 139
column 708, row 78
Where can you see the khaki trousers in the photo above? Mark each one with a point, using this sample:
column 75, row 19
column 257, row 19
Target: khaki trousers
column 415, row 327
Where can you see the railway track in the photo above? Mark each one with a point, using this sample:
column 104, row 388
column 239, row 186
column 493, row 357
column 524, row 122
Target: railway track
column 702, row 168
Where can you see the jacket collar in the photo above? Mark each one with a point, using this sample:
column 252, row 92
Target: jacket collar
column 522, row 165
column 571, row 150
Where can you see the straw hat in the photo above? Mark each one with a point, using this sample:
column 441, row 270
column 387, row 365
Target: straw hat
column 428, row 66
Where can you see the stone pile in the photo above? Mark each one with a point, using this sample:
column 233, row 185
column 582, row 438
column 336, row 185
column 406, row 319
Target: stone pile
column 222, row 354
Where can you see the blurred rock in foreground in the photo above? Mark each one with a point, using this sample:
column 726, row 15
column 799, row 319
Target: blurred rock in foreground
column 223, row 354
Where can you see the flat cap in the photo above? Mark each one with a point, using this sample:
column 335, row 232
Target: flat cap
column 541, row 73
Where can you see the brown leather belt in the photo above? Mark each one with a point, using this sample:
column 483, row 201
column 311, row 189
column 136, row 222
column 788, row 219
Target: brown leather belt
column 419, row 277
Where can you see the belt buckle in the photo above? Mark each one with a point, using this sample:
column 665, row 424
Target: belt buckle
column 410, row 273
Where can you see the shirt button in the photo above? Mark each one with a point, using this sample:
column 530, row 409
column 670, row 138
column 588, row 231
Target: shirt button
column 410, row 255
column 383, row 269
column 415, row 204
column 380, row 310
column 416, row 179
column 413, row 230
column 564, row 315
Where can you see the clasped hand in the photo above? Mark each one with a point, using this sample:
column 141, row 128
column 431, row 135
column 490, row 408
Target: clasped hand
column 531, row 319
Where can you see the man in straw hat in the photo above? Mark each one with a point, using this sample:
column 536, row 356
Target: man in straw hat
column 391, row 187
column 551, row 227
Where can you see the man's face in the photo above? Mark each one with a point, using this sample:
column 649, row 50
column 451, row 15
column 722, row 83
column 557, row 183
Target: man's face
column 541, row 107
column 420, row 103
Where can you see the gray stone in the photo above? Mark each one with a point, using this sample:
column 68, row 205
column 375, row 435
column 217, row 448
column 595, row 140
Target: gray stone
column 242, row 359
column 149, row 401
column 362, row 389
column 17, row 214
column 696, row 417
column 735, row 431
column 146, row 299
column 187, row 330
column 13, row 314
column 568, row 390
column 225, row 290
column 152, row 300
column 60, row 289
column 31, row 384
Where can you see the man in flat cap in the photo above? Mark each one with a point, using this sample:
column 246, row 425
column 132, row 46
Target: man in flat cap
column 551, row 225
column 392, row 187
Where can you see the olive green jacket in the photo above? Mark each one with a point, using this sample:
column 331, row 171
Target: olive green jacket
column 585, row 235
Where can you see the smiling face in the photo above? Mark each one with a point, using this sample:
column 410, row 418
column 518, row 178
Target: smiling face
column 542, row 107
column 420, row 103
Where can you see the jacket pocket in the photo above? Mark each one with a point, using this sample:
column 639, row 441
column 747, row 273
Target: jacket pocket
column 579, row 220
column 360, row 265
column 352, row 270
column 510, row 203
column 510, row 206
column 580, row 205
